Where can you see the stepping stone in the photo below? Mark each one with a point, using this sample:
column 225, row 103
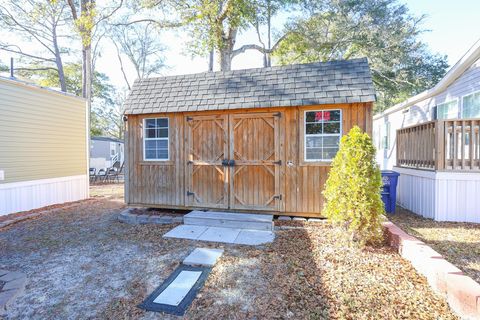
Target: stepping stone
column 284, row 218
column 186, row 232
column 216, row 234
column 178, row 289
column 254, row 237
column 203, row 257
column 177, row 292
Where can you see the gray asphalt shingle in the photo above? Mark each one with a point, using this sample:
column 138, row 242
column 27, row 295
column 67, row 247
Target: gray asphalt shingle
column 341, row 81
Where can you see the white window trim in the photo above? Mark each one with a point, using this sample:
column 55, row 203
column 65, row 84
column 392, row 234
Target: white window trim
column 459, row 112
column 319, row 134
column 463, row 100
column 145, row 139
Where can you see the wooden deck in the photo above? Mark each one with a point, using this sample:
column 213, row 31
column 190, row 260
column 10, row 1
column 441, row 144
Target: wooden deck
column 440, row 145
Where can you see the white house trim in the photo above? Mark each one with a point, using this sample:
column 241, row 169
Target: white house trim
column 28, row 195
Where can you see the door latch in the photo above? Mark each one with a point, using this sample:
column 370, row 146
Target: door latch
column 279, row 162
column 279, row 197
column 189, row 193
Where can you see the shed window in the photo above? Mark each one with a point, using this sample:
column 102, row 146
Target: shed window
column 447, row 110
column 471, row 106
column 155, row 139
column 323, row 130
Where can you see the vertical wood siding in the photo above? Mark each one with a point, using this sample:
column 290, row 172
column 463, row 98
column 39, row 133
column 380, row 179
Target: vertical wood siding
column 300, row 184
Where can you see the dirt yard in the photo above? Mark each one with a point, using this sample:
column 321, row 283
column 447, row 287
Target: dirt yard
column 82, row 263
column 458, row 242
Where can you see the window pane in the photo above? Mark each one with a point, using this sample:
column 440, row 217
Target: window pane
column 329, row 153
column 314, row 142
column 150, row 154
column 163, row 122
column 313, row 128
column 331, row 127
column 331, row 142
column 335, row 115
column 162, row 154
column 150, row 144
column 471, row 106
column 447, row 110
column 150, row 123
column 151, row 133
column 162, row 133
column 314, row 154
column 310, row 116
column 162, row 144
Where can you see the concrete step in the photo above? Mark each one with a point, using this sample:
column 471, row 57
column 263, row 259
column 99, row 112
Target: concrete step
column 230, row 220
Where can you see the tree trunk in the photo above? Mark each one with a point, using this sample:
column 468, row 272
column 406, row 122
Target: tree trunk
column 269, row 34
column 210, row 60
column 58, row 60
column 225, row 53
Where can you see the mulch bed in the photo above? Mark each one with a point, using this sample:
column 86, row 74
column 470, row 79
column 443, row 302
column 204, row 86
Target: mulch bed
column 458, row 242
column 312, row 273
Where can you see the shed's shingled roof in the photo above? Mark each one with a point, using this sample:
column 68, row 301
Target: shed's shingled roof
column 346, row 81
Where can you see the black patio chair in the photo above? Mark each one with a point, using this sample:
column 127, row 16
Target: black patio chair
column 92, row 174
column 101, row 175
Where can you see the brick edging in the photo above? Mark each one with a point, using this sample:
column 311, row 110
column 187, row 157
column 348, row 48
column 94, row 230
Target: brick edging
column 461, row 292
column 127, row 216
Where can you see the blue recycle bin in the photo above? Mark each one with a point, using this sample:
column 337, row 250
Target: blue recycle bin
column 389, row 191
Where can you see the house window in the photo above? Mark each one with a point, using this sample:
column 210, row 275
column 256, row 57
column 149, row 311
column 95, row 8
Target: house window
column 471, row 106
column 447, row 110
column 155, row 139
column 323, row 130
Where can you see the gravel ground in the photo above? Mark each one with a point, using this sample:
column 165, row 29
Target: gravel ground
column 458, row 242
column 83, row 264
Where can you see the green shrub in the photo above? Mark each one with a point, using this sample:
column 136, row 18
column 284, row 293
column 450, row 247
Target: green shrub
column 353, row 189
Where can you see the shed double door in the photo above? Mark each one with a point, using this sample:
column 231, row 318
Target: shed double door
column 233, row 161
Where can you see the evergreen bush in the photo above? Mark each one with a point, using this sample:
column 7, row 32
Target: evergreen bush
column 353, row 189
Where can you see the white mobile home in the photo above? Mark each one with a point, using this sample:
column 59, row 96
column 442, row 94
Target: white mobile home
column 43, row 147
column 432, row 139
column 105, row 151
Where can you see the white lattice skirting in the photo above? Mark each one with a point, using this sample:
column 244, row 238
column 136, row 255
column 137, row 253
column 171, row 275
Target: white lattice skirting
column 28, row 195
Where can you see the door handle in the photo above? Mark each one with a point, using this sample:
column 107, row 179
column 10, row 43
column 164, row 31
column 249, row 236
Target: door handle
column 225, row 162
column 231, row 163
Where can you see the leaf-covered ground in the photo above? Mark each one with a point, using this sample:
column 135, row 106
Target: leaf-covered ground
column 458, row 242
column 82, row 263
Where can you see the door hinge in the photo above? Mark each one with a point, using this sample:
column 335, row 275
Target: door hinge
column 189, row 193
column 279, row 197
column 279, row 162
column 189, row 118
column 277, row 114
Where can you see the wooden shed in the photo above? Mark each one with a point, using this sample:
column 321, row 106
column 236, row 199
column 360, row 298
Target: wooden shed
column 255, row 140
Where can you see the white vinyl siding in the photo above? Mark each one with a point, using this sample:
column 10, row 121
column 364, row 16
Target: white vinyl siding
column 156, row 139
column 471, row 106
column 448, row 110
column 323, row 129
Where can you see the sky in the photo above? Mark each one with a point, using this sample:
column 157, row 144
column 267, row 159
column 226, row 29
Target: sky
column 454, row 26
